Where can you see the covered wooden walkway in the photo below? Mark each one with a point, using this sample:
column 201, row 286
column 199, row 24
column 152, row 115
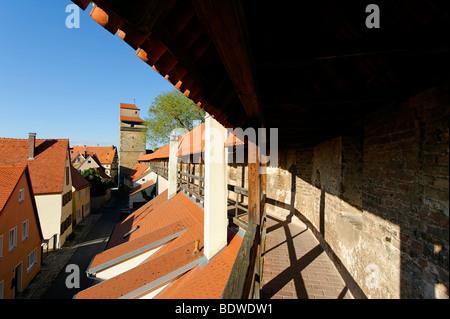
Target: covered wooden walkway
column 296, row 266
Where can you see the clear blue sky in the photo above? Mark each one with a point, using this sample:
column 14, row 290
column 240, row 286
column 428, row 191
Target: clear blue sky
column 67, row 83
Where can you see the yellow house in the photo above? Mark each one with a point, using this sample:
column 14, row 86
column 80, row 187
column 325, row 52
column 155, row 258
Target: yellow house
column 81, row 197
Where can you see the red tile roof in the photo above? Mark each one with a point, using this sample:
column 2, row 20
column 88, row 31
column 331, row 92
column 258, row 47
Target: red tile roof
column 105, row 154
column 141, row 187
column 128, row 106
column 47, row 169
column 162, row 152
column 78, row 181
column 154, row 216
column 192, row 142
column 157, row 220
column 131, row 119
column 9, row 177
column 138, row 243
column 132, row 220
column 209, row 282
column 137, row 172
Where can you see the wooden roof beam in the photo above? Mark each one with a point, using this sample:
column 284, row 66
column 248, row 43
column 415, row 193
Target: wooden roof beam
column 352, row 54
column 226, row 26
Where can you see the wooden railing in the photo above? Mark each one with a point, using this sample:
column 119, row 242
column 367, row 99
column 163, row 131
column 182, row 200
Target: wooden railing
column 187, row 183
column 240, row 211
column 160, row 170
column 245, row 280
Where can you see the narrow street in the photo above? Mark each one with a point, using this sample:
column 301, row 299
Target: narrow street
column 91, row 237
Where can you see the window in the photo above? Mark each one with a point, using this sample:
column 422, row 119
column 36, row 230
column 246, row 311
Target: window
column 1, row 289
column 12, row 238
column 25, row 230
column 79, row 195
column 1, row 247
column 89, row 161
column 86, row 192
column 32, row 260
column 78, row 213
column 67, row 176
column 21, row 195
column 86, row 207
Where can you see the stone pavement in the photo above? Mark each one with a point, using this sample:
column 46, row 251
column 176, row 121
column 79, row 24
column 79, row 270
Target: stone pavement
column 296, row 266
column 56, row 260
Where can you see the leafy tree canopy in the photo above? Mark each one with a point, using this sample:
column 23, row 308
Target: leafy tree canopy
column 98, row 184
column 170, row 111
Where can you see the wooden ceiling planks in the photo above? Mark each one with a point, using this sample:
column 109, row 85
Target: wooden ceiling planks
column 249, row 64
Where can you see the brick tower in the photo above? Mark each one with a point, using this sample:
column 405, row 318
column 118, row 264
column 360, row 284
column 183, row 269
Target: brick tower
column 132, row 141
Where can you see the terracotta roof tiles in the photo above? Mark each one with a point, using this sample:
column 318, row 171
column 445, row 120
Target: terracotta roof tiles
column 47, row 169
column 152, row 217
column 78, row 181
column 175, row 262
column 128, row 106
column 162, row 152
column 9, row 177
column 138, row 171
column 209, row 282
column 105, row 154
column 131, row 119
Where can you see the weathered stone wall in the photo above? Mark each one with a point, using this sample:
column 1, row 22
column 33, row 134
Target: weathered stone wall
column 377, row 200
column 132, row 143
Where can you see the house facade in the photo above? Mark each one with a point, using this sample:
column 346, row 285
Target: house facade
column 140, row 174
column 49, row 165
column 137, row 198
column 106, row 155
column 20, row 232
column 81, row 197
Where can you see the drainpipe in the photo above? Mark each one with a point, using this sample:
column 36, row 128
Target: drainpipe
column 216, row 180
column 172, row 178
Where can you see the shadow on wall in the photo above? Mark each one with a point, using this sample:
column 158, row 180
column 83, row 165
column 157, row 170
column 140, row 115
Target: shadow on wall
column 377, row 200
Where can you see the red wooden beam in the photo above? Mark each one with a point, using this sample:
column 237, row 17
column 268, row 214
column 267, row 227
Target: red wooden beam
column 225, row 24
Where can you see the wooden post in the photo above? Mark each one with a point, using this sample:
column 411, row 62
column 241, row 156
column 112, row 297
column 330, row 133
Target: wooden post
column 254, row 184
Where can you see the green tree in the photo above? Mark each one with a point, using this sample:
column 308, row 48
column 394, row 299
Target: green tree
column 98, row 184
column 169, row 111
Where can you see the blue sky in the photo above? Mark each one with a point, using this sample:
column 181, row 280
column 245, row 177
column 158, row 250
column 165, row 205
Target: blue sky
column 67, row 83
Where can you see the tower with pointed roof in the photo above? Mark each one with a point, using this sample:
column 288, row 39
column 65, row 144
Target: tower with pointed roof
column 132, row 139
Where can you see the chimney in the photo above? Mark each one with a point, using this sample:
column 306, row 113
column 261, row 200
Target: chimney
column 172, row 188
column 215, row 205
column 31, row 145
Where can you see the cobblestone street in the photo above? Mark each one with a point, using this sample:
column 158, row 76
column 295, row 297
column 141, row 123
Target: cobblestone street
column 90, row 237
